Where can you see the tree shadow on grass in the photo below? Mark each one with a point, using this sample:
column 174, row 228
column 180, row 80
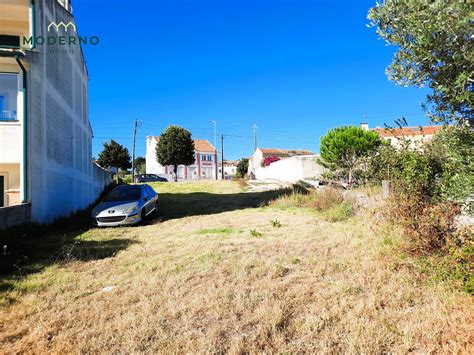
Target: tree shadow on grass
column 176, row 205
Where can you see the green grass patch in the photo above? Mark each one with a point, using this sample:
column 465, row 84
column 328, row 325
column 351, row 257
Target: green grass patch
column 255, row 233
column 226, row 231
column 340, row 212
column 275, row 223
column 210, row 258
column 295, row 260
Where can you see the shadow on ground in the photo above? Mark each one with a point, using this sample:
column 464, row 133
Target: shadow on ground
column 30, row 249
column 176, row 205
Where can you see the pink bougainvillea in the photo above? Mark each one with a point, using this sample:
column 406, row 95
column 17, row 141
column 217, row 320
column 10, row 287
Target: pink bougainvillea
column 268, row 160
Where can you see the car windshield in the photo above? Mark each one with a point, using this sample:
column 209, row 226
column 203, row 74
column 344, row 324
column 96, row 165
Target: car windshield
column 124, row 194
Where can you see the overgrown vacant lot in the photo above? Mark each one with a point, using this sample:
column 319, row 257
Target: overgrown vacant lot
column 214, row 273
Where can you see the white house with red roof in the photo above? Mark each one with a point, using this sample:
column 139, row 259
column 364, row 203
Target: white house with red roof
column 293, row 165
column 204, row 166
column 260, row 154
column 415, row 135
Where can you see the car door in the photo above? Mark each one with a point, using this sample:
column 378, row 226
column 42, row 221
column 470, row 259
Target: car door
column 154, row 196
column 149, row 202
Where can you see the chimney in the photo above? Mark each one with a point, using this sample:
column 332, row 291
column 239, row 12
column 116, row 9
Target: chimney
column 364, row 126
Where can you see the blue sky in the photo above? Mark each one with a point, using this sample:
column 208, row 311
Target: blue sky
column 295, row 68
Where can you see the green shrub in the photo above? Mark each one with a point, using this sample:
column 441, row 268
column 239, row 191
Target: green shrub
column 428, row 184
column 340, row 212
column 242, row 168
column 275, row 223
column 255, row 233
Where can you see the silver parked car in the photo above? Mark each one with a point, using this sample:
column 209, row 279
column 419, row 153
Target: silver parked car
column 125, row 205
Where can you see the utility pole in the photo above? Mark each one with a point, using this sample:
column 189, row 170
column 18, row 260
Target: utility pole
column 254, row 137
column 133, row 150
column 215, row 132
column 222, row 156
column 215, row 147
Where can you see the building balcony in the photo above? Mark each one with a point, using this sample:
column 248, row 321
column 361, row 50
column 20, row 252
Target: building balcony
column 8, row 116
column 16, row 23
column 9, row 96
column 11, row 101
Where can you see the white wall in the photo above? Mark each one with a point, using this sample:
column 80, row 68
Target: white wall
column 255, row 160
column 10, row 142
column 291, row 169
column 415, row 141
column 152, row 166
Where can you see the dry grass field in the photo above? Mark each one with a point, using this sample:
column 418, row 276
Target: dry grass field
column 221, row 270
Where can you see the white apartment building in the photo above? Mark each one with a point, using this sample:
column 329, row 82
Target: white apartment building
column 46, row 169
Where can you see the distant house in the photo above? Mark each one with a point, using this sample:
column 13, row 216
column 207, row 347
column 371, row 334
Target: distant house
column 230, row 168
column 204, row 166
column 46, row 168
column 294, row 165
column 260, row 154
column 416, row 134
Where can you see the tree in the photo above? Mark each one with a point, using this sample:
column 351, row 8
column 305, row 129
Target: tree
column 453, row 149
column 175, row 147
column 435, row 45
column 139, row 165
column 114, row 156
column 242, row 167
column 344, row 148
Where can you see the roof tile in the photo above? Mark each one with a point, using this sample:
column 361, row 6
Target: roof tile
column 408, row 131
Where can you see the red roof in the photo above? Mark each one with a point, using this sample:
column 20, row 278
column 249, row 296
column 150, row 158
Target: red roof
column 200, row 145
column 203, row 145
column 408, row 131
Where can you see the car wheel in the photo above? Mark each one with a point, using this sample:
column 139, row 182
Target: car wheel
column 143, row 215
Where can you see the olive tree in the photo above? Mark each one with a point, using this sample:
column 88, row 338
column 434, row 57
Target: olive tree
column 435, row 49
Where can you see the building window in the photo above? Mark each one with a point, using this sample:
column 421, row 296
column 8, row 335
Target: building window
column 206, row 157
column 8, row 97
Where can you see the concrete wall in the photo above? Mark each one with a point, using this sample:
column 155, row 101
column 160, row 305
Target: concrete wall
column 152, row 166
column 291, row 169
column 255, row 161
column 415, row 141
column 15, row 216
column 61, row 178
